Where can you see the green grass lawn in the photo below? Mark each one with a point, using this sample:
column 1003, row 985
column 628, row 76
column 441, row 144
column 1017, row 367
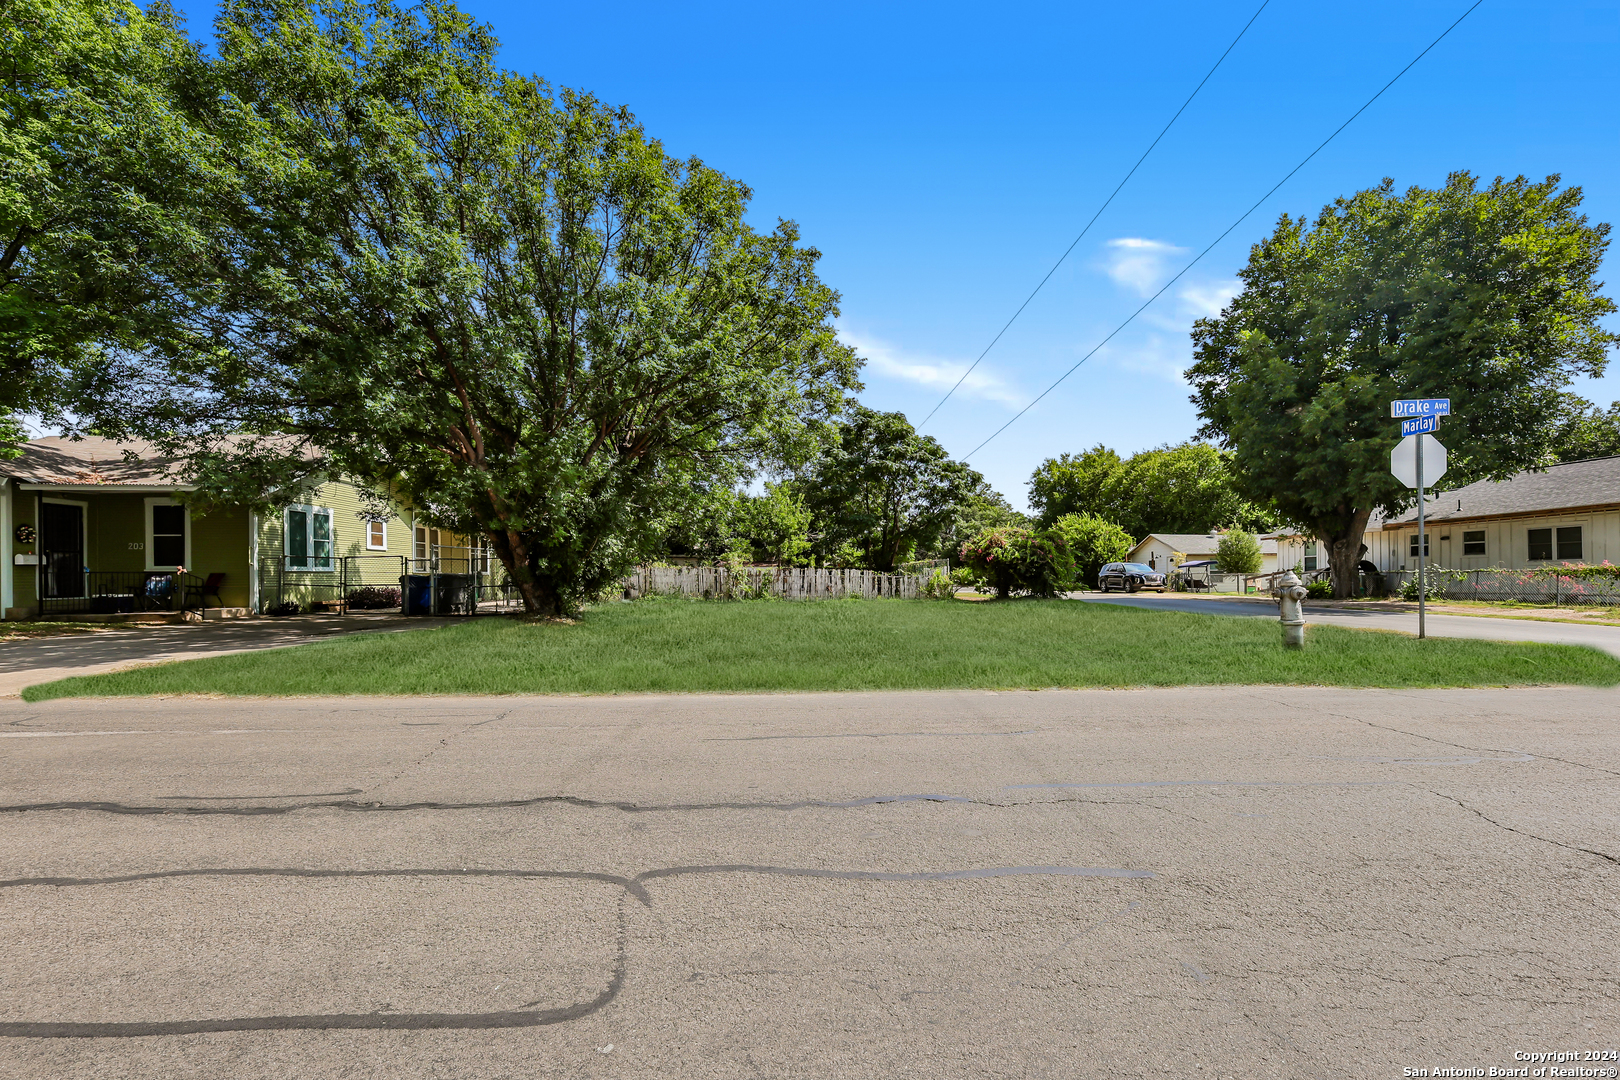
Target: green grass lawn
column 686, row 646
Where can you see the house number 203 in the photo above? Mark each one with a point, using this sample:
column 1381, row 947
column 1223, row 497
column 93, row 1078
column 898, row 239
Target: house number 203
column 137, row 545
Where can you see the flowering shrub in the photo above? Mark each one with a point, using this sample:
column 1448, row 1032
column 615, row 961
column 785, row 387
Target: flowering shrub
column 1604, row 571
column 1011, row 558
column 373, row 596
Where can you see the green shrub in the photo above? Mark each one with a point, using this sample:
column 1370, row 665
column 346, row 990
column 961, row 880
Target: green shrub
column 1238, row 552
column 938, row 586
column 1093, row 541
column 1434, row 584
column 1319, row 590
column 1011, row 558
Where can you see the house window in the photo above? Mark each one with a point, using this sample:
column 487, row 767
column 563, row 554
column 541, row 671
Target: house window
column 1569, row 543
column 1474, row 543
column 427, row 543
column 1541, row 544
column 376, row 535
column 168, row 536
column 1412, row 546
column 1310, row 554
column 309, row 538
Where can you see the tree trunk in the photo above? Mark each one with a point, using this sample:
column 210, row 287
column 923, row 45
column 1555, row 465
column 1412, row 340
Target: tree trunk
column 539, row 594
column 1344, row 540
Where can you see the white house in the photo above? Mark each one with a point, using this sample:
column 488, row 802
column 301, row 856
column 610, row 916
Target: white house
column 1157, row 550
column 1565, row 513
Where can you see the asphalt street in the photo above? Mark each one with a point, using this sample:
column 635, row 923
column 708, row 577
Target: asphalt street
column 1228, row 882
column 1606, row 638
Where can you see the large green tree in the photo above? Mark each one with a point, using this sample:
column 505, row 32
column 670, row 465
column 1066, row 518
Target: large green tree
column 1487, row 296
column 885, row 490
column 1586, row 431
column 1175, row 489
column 100, row 161
column 508, row 305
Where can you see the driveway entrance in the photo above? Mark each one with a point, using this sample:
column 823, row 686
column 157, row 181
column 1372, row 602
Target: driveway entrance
column 24, row 663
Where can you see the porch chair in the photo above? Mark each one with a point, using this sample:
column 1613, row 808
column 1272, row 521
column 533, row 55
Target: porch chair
column 154, row 591
column 210, row 587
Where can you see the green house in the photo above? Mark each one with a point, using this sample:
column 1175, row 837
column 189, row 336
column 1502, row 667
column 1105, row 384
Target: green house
column 94, row 527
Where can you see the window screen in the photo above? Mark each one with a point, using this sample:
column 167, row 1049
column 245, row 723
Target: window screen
column 1412, row 545
column 1474, row 543
column 1310, row 555
column 320, row 539
column 376, row 535
column 1569, row 542
column 309, row 538
column 168, row 535
column 1541, row 543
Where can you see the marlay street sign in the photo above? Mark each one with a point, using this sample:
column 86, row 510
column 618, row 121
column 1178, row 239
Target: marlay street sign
column 1420, row 424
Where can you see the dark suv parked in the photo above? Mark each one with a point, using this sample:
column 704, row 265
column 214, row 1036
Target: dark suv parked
column 1129, row 576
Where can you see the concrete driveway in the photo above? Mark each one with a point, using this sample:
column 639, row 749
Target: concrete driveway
column 1606, row 638
column 26, row 662
column 1224, row 882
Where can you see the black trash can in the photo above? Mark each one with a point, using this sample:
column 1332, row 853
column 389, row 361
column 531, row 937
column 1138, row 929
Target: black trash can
column 454, row 594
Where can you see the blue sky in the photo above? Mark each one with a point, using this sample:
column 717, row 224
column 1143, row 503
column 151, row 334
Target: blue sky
column 941, row 156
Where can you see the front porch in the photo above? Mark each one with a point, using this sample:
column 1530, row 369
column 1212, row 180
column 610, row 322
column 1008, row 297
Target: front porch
column 139, row 555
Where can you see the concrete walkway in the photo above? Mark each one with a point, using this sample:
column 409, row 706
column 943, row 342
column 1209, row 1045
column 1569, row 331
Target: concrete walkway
column 27, row 662
column 1606, row 638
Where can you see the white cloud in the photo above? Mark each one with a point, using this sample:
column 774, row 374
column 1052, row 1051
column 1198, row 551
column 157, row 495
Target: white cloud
column 932, row 372
column 1139, row 264
column 1154, row 355
column 1205, row 301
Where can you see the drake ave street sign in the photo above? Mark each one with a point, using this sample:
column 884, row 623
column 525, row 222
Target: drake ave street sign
column 1433, row 406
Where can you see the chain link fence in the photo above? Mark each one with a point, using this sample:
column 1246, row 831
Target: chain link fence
column 1522, row 586
column 453, row 581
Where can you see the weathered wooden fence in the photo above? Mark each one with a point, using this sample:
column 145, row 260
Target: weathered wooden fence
column 786, row 582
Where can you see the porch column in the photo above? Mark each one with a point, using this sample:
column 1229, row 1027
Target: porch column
column 253, row 563
column 8, row 597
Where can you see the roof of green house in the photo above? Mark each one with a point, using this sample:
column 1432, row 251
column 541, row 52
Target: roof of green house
column 91, row 461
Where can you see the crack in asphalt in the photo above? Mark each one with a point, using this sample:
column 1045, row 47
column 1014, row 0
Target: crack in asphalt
column 1544, row 839
column 1461, row 746
column 876, row 735
column 353, row 806
column 238, row 798
column 520, row 1017
column 444, row 743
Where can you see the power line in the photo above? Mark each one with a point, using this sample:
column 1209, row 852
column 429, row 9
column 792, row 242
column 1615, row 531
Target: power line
column 1229, row 228
column 1095, row 216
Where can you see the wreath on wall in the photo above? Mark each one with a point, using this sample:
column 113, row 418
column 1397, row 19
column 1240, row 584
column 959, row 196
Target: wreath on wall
column 25, row 534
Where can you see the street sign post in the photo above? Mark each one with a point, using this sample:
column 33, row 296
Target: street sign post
column 1406, row 461
column 1419, row 425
